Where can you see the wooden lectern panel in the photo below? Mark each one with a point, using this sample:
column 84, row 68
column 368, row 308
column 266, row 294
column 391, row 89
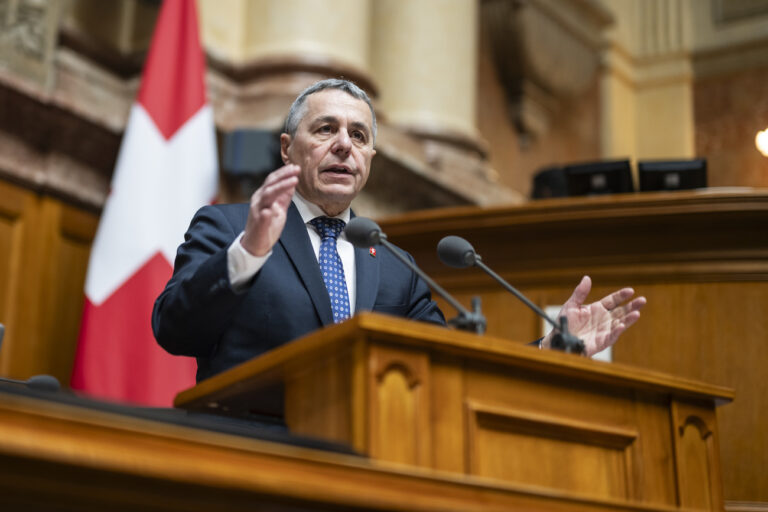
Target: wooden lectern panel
column 580, row 456
column 422, row 395
column 399, row 387
column 700, row 257
column 696, row 452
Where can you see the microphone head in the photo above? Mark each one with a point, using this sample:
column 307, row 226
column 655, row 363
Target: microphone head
column 456, row 252
column 363, row 232
column 43, row 383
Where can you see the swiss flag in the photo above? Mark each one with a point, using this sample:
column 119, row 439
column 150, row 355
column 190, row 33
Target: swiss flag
column 166, row 170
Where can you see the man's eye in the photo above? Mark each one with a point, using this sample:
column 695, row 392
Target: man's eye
column 358, row 135
column 325, row 129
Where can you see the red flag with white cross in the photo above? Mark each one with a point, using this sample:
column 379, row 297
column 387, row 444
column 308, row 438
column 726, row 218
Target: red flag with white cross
column 166, row 170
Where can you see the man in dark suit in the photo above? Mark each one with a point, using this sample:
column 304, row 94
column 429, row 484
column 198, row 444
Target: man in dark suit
column 247, row 278
column 252, row 277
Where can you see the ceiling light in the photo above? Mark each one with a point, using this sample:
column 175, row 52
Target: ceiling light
column 761, row 141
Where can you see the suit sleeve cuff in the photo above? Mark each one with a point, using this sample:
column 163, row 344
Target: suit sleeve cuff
column 242, row 265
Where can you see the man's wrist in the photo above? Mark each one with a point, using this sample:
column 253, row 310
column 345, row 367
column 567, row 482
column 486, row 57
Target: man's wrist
column 242, row 265
column 256, row 252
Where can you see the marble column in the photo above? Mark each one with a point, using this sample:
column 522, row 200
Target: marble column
column 262, row 53
column 334, row 33
column 424, row 57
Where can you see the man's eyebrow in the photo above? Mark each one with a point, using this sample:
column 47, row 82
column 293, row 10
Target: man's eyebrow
column 326, row 119
column 361, row 126
column 334, row 120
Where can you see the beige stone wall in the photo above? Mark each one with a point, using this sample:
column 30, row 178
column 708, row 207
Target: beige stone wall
column 647, row 102
column 730, row 110
column 730, row 62
column 673, row 71
column 572, row 136
column 538, row 88
column 664, row 116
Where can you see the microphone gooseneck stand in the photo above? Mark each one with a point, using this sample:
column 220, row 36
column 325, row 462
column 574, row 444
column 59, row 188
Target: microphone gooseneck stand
column 364, row 233
column 456, row 252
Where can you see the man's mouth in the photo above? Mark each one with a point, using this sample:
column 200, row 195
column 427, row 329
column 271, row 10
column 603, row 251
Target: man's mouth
column 337, row 169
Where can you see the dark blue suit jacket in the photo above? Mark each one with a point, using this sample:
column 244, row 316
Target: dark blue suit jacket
column 199, row 315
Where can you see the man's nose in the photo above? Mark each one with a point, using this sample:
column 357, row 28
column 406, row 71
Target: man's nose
column 342, row 144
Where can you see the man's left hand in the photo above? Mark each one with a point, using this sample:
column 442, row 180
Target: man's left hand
column 601, row 323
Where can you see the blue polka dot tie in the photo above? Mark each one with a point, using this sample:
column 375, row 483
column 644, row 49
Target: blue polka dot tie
column 331, row 267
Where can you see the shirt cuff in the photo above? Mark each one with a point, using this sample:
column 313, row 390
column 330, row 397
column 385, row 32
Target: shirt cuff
column 242, row 265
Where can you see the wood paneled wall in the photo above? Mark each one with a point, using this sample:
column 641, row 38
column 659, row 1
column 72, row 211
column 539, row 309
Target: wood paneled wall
column 45, row 246
column 701, row 259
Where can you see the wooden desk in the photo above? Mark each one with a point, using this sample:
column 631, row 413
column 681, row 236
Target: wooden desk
column 423, row 395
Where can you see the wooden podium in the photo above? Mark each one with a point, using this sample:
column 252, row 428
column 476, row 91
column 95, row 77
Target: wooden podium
column 700, row 257
column 422, row 395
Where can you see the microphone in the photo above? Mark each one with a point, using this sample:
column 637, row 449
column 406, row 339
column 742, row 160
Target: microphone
column 36, row 382
column 363, row 232
column 456, row 252
column 47, row 383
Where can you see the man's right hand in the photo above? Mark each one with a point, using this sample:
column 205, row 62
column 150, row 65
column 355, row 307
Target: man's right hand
column 267, row 214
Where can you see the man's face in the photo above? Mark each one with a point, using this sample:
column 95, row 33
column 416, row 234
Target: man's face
column 333, row 146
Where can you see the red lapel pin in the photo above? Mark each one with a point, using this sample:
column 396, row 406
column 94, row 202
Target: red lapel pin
column 372, row 251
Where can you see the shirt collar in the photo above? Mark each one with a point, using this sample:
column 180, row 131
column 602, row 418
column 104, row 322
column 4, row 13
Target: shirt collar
column 309, row 211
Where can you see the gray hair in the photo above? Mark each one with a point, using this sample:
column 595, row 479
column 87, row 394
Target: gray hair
column 299, row 107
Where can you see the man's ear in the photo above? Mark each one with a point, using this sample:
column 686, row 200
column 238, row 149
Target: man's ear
column 285, row 143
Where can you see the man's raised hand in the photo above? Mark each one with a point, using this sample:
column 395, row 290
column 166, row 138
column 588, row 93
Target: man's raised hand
column 269, row 205
column 601, row 323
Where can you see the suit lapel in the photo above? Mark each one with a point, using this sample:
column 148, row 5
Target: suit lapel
column 367, row 270
column 295, row 241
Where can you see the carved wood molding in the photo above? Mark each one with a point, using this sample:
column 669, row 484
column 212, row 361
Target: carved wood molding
column 696, row 454
column 696, row 422
column 548, row 425
column 657, row 237
column 399, row 390
column 560, row 440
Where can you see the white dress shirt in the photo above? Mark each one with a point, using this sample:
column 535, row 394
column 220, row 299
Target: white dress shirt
column 242, row 265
